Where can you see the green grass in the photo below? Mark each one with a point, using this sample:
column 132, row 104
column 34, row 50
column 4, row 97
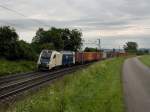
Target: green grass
column 12, row 67
column 145, row 59
column 95, row 89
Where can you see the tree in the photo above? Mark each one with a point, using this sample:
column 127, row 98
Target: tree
column 87, row 49
column 49, row 46
column 61, row 39
column 131, row 47
column 38, row 36
column 25, row 51
column 52, row 36
column 12, row 48
column 8, row 42
column 56, row 38
column 72, row 39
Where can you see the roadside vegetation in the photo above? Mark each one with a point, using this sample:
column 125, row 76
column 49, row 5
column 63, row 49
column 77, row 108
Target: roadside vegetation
column 95, row 89
column 145, row 59
column 12, row 67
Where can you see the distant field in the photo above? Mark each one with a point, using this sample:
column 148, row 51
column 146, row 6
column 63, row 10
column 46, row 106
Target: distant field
column 145, row 59
column 95, row 89
column 12, row 67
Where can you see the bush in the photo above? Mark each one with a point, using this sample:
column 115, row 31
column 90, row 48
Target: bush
column 13, row 49
column 26, row 51
column 13, row 67
column 8, row 42
column 142, row 52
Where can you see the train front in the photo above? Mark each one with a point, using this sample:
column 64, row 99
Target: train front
column 44, row 60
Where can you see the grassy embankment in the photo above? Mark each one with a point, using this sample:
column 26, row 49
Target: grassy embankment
column 145, row 59
column 95, row 89
column 12, row 67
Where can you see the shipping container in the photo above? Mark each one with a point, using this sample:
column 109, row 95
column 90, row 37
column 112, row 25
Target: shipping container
column 83, row 57
column 88, row 56
column 99, row 56
column 79, row 57
column 104, row 55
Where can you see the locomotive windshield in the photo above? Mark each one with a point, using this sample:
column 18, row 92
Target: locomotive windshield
column 45, row 56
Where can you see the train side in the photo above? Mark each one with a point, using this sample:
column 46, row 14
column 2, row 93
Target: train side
column 84, row 57
column 68, row 57
column 51, row 59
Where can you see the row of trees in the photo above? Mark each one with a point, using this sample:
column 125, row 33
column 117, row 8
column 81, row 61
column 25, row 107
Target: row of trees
column 55, row 38
column 13, row 48
column 89, row 49
column 132, row 47
column 129, row 47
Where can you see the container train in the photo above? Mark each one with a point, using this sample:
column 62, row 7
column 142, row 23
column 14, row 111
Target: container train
column 50, row 59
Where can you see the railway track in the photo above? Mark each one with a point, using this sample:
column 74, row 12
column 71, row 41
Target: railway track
column 12, row 85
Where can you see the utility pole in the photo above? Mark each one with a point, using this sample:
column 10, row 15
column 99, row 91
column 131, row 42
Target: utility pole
column 119, row 48
column 99, row 43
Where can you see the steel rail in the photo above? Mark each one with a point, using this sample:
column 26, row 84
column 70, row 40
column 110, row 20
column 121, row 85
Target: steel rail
column 20, row 87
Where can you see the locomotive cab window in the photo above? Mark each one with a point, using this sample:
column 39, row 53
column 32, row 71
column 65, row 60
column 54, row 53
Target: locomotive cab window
column 45, row 56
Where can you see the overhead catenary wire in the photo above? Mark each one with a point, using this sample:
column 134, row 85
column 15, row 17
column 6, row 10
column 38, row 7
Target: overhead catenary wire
column 94, row 43
column 9, row 9
column 21, row 14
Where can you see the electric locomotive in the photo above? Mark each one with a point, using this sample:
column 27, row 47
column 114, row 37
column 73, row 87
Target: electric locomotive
column 50, row 59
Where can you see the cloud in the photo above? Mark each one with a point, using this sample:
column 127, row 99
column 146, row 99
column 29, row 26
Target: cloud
column 121, row 20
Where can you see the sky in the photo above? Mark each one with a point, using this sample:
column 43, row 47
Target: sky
column 115, row 22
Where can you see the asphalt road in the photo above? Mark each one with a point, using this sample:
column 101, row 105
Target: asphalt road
column 136, row 83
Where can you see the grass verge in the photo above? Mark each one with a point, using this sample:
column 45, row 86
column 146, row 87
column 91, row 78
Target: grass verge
column 145, row 59
column 12, row 67
column 95, row 89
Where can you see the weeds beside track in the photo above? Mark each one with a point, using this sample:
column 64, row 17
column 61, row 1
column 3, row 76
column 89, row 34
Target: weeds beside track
column 12, row 85
column 95, row 89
